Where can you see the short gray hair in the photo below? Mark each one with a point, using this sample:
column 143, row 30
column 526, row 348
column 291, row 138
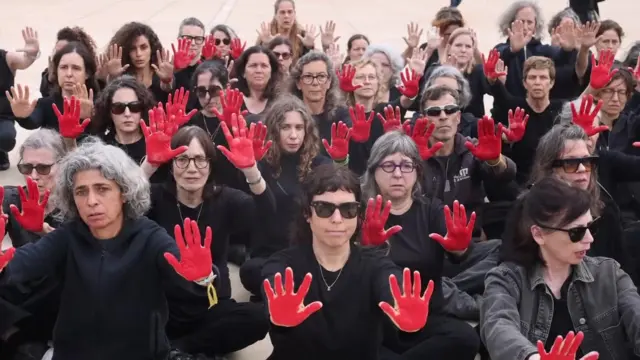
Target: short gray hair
column 114, row 164
column 562, row 14
column 448, row 71
column 395, row 60
column 509, row 16
column 190, row 21
column 388, row 144
column 45, row 139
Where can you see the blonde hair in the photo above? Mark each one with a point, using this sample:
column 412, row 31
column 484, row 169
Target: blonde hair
column 458, row 32
column 359, row 64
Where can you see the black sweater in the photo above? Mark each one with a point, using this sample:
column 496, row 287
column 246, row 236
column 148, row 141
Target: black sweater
column 349, row 325
column 113, row 303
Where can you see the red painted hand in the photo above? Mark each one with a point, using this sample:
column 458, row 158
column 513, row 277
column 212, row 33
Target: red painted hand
column 176, row 108
column 346, row 78
column 489, row 65
column 231, row 101
column 421, row 133
column 410, row 83
column 373, row 232
column 260, row 148
column 361, row 126
column 182, row 57
column 339, row 148
column 411, row 310
column 565, row 349
column 69, row 120
column 601, row 73
column 5, row 257
column 158, row 138
column 195, row 260
column 236, row 48
column 32, row 216
column 286, row 307
column 391, row 120
column 517, row 125
column 459, row 231
column 586, row 117
column 209, row 50
column 240, row 152
column 489, row 144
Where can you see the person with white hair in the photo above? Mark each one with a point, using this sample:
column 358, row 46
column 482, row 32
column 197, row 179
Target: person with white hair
column 114, row 262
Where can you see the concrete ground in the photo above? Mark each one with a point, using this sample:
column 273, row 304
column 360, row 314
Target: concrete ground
column 375, row 18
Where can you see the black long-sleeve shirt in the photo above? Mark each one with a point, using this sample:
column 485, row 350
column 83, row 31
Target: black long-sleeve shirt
column 349, row 324
column 113, row 303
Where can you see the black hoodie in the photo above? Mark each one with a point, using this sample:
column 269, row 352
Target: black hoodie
column 113, row 303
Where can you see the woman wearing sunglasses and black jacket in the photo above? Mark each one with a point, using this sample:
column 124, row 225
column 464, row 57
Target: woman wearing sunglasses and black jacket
column 566, row 152
column 547, row 286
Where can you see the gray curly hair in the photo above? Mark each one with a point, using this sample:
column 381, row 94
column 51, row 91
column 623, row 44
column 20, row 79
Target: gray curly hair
column 566, row 13
column 509, row 16
column 395, row 60
column 448, row 71
column 333, row 98
column 114, row 164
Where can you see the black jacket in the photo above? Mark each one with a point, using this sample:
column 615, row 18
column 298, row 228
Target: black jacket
column 113, row 303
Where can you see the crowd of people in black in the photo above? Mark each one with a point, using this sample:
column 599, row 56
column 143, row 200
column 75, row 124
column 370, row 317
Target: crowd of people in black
column 375, row 207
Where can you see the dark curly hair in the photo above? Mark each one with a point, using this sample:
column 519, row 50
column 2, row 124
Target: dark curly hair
column 273, row 119
column 101, row 122
column 128, row 33
column 90, row 66
column 271, row 91
column 77, row 34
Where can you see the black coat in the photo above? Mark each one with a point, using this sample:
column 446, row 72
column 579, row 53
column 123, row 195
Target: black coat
column 113, row 303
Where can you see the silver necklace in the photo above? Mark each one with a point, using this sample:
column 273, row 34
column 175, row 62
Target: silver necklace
column 325, row 281
column 199, row 212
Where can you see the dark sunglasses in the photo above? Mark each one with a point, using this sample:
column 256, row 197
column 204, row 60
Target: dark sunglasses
column 213, row 91
column 325, row 209
column 223, row 41
column 283, row 55
column 434, row 111
column 572, row 165
column 576, row 234
column 118, row 108
column 27, row 169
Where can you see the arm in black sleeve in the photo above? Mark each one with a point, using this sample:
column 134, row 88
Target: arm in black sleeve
column 35, row 260
column 38, row 117
column 45, row 85
column 383, row 270
column 625, row 168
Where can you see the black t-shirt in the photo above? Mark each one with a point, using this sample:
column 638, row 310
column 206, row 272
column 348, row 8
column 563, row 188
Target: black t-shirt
column 349, row 324
column 412, row 247
column 561, row 323
column 7, row 78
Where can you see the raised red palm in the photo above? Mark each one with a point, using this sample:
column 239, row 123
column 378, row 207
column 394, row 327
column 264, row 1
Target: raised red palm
column 392, row 119
column 209, row 50
column 339, row 147
column 237, row 48
column 176, row 108
column 240, row 151
column 158, row 137
column 231, row 101
column 183, row 56
column 286, row 307
column 421, row 133
column 459, row 232
column 411, row 310
column 601, row 73
column 32, row 216
column 489, row 65
column 373, row 232
column 565, row 349
column 260, row 147
column 410, row 83
column 360, row 125
column 69, row 120
column 517, row 125
column 346, row 78
column 195, row 259
column 586, row 117
column 489, row 144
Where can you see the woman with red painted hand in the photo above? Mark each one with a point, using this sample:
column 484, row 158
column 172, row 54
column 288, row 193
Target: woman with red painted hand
column 258, row 74
column 28, row 310
column 335, row 314
column 294, row 154
column 75, row 77
column 566, row 152
column 113, row 260
column 191, row 192
column 394, row 174
column 10, row 62
column 548, row 286
column 136, row 50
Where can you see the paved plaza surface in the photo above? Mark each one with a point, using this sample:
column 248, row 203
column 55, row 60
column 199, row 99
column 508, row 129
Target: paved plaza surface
column 375, row 18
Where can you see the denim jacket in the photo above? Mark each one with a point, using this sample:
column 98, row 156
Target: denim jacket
column 518, row 308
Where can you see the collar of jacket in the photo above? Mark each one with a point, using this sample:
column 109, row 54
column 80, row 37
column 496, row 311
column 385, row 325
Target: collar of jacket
column 580, row 273
column 458, row 143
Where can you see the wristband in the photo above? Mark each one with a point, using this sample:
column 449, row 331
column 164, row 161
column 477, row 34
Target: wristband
column 343, row 162
column 256, row 182
column 206, row 281
column 496, row 163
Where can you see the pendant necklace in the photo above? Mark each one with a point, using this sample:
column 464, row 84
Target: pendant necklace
column 180, row 212
column 325, row 281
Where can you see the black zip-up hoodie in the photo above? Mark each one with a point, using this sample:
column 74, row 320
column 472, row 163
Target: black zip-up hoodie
column 113, row 303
